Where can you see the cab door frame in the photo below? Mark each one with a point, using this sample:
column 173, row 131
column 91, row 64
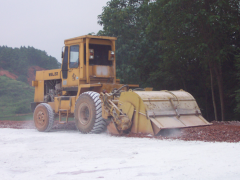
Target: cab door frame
column 73, row 72
column 70, row 75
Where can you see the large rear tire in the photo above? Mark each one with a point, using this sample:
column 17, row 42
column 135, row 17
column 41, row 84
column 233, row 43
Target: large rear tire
column 88, row 113
column 43, row 117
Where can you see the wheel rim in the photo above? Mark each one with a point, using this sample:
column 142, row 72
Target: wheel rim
column 84, row 114
column 41, row 119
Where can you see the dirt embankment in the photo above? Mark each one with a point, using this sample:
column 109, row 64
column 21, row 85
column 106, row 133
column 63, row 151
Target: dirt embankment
column 8, row 74
column 32, row 73
column 217, row 132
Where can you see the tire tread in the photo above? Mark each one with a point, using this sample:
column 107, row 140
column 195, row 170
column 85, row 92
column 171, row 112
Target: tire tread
column 99, row 124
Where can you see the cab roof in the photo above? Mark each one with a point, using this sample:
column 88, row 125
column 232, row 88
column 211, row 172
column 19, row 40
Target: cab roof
column 92, row 37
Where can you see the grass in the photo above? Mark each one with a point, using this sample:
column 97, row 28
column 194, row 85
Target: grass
column 25, row 117
column 15, row 97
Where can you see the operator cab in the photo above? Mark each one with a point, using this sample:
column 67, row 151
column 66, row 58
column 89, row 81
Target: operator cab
column 88, row 59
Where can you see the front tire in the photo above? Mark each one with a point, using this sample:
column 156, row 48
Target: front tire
column 88, row 113
column 43, row 117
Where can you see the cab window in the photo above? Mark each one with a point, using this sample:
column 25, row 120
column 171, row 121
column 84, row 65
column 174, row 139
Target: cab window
column 100, row 55
column 74, row 56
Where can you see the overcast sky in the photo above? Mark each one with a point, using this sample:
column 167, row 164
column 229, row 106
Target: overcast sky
column 45, row 24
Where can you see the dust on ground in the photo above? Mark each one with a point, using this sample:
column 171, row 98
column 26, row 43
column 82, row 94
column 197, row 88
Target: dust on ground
column 217, row 132
column 30, row 125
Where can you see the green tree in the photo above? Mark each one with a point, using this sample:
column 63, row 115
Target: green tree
column 125, row 20
column 18, row 60
column 169, row 44
column 204, row 30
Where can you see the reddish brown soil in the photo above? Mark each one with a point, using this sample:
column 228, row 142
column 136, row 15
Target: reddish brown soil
column 217, row 132
column 32, row 73
column 8, row 74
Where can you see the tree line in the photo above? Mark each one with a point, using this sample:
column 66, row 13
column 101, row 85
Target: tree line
column 180, row 44
column 18, row 60
column 16, row 96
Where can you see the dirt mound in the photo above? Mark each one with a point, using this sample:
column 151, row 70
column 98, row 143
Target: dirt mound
column 8, row 74
column 217, row 132
column 32, row 73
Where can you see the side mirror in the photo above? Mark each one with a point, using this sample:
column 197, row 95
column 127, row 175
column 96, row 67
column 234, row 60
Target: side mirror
column 63, row 49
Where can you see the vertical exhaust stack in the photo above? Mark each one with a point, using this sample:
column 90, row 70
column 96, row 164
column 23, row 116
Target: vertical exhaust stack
column 152, row 111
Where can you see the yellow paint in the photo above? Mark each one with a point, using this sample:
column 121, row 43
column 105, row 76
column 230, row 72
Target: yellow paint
column 85, row 77
column 140, row 122
column 87, row 60
column 48, row 74
column 34, row 83
column 156, row 110
column 64, row 104
column 150, row 111
column 39, row 92
column 73, row 77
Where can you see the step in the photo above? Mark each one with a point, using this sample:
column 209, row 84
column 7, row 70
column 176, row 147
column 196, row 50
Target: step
column 64, row 110
column 62, row 122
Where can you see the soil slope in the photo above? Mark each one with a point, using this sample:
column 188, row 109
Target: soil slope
column 8, row 74
column 32, row 73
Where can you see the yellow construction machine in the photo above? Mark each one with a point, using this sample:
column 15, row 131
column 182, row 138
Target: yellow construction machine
column 86, row 88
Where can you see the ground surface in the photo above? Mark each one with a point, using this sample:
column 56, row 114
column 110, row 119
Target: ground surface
column 27, row 154
column 217, row 132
